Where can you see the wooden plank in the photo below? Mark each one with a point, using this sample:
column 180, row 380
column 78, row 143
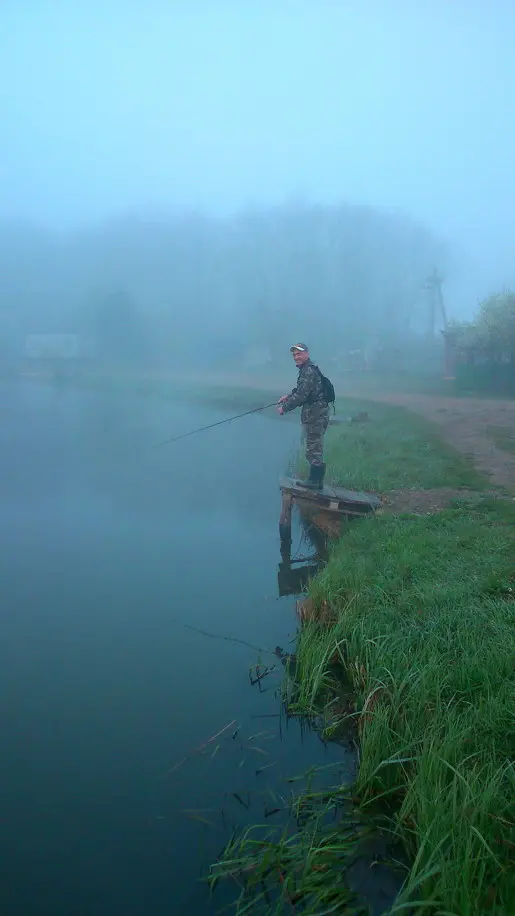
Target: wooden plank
column 356, row 496
column 302, row 492
column 351, row 498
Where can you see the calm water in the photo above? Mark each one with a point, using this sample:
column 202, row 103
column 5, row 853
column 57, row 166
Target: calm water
column 108, row 549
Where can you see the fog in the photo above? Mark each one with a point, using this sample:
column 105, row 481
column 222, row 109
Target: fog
column 193, row 185
column 231, row 173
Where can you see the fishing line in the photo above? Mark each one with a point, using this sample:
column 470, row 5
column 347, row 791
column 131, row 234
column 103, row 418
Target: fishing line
column 201, row 429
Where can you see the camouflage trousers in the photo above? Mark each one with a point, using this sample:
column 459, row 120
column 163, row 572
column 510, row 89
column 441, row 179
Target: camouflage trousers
column 315, row 420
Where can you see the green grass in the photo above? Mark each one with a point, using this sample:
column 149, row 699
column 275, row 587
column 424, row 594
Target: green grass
column 423, row 626
column 394, row 449
column 291, row 870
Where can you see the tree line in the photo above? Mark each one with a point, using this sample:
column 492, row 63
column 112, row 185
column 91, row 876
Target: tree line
column 188, row 286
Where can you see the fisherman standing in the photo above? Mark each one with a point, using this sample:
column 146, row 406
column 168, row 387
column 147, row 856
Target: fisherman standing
column 309, row 394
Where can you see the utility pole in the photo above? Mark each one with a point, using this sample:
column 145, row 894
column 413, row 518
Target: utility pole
column 433, row 283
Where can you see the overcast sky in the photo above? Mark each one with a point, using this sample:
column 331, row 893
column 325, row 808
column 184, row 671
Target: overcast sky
column 116, row 105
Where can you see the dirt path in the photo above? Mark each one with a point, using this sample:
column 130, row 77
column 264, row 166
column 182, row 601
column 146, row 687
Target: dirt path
column 472, row 426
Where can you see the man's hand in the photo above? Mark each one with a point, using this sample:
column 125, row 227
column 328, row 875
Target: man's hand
column 281, row 401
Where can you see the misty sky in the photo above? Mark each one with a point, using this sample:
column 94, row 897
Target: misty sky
column 118, row 105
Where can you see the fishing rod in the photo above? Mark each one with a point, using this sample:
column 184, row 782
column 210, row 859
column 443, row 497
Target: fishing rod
column 201, row 429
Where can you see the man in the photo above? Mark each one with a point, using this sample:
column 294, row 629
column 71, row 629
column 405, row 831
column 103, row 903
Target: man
column 309, row 394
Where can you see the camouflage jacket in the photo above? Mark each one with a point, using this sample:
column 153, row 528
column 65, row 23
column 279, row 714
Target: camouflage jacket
column 309, row 389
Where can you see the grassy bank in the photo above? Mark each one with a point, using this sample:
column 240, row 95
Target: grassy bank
column 418, row 613
column 413, row 618
column 420, row 616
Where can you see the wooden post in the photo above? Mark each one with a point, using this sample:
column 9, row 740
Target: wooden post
column 285, row 518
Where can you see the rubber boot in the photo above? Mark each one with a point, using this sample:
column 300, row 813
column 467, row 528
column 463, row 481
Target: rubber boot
column 315, row 480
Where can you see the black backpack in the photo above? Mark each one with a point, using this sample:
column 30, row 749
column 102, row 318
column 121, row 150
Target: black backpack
column 327, row 388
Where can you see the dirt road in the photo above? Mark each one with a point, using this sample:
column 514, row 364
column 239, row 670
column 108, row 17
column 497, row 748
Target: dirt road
column 475, row 427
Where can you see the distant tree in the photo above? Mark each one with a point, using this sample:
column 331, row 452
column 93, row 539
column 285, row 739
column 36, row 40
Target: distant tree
column 493, row 331
column 496, row 322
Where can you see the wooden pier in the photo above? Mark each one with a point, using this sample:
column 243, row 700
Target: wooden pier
column 334, row 500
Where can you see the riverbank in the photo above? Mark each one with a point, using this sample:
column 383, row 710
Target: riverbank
column 417, row 613
column 413, row 618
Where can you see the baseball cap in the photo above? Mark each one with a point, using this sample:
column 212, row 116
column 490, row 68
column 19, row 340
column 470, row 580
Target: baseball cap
column 298, row 346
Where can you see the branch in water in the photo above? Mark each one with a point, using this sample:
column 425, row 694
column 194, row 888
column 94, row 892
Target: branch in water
column 230, row 639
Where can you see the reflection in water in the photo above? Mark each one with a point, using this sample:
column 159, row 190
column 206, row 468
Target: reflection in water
column 295, row 572
column 321, row 795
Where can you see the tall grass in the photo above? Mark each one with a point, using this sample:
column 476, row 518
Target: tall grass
column 424, row 627
column 301, row 867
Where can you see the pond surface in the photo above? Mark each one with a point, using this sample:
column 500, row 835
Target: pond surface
column 113, row 555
